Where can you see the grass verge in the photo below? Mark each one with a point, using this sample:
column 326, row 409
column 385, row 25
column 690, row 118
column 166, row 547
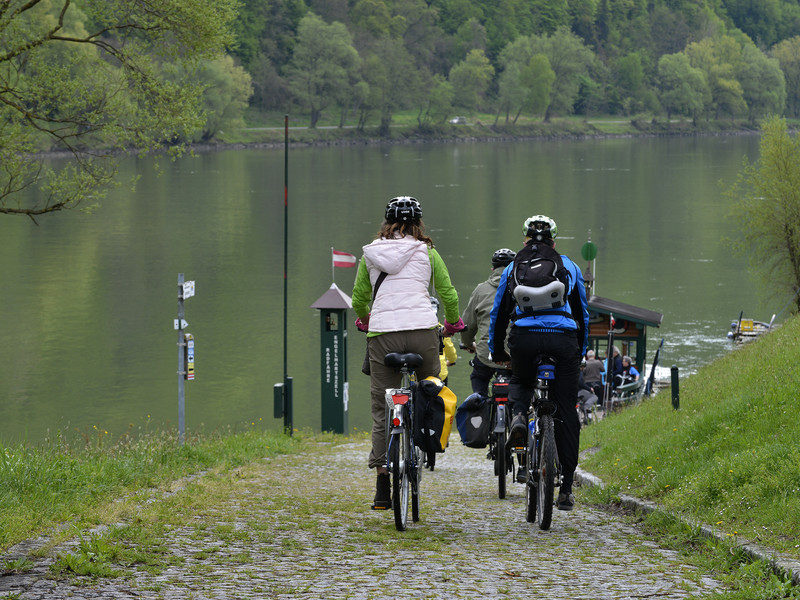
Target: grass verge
column 743, row 577
column 44, row 487
column 728, row 456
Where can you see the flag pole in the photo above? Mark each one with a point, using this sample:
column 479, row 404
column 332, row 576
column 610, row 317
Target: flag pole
column 333, row 270
column 287, row 384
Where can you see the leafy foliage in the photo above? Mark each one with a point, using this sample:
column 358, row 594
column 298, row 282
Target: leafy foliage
column 767, row 209
column 83, row 75
column 78, row 77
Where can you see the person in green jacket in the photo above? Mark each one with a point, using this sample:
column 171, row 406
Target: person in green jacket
column 475, row 337
column 393, row 306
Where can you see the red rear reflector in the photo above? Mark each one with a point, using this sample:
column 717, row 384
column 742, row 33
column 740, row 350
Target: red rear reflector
column 396, row 422
column 400, row 398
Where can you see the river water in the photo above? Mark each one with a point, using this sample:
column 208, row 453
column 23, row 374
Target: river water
column 88, row 300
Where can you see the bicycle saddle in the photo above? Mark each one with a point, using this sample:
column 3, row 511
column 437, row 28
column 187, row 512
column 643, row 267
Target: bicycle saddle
column 396, row 360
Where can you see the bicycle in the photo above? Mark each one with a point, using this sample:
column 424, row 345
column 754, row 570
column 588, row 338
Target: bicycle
column 502, row 457
column 543, row 468
column 402, row 455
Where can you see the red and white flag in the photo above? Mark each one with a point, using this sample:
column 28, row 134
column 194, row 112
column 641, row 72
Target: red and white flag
column 343, row 259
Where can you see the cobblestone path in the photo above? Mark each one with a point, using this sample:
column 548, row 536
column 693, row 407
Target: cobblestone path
column 299, row 526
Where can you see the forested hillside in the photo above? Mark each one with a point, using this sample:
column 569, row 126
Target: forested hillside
column 367, row 59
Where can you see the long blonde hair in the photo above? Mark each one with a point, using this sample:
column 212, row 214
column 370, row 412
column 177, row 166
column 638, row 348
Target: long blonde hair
column 415, row 229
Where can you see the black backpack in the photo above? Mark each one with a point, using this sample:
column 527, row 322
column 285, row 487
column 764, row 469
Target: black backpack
column 539, row 281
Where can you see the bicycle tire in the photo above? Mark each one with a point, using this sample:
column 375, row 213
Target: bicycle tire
column 548, row 471
column 500, row 464
column 400, row 482
column 416, row 470
column 531, row 496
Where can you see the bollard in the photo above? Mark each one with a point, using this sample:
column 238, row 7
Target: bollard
column 676, row 401
column 277, row 400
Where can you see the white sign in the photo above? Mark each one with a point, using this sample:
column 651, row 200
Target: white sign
column 188, row 289
column 181, row 324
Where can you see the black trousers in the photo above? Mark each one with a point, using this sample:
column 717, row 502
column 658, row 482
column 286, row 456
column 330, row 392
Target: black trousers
column 526, row 348
column 481, row 376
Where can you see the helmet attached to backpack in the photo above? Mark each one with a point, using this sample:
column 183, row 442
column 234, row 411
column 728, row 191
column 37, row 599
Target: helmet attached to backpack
column 403, row 209
column 502, row 257
column 540, row 228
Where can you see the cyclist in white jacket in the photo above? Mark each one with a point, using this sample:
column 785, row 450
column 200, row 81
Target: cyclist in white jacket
column 400, row 263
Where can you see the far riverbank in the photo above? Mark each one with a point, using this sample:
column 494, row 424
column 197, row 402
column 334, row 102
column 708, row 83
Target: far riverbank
column 473, row 131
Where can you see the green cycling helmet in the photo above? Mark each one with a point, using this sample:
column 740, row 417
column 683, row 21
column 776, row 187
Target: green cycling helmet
column 540, row 227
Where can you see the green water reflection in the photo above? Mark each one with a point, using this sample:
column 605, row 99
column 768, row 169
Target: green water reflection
column 88, row 301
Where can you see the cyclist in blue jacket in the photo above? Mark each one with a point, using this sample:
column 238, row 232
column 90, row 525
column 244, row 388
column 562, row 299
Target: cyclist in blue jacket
column 561, row 333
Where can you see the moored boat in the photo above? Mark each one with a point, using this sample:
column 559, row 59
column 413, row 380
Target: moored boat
column 743, row 330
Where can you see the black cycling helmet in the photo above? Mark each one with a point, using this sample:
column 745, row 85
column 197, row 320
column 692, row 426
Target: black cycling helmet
column 502, row 257
column 403, row 209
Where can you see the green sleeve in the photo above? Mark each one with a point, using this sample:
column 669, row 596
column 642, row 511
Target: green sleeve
column 444, row 288
column 362, row 290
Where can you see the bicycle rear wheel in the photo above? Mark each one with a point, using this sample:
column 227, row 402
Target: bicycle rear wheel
column 400, row 444
column 500, row 463
column 531, row 497
column 547, row 471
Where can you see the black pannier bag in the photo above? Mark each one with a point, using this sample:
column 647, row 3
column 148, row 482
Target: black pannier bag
column 474, row 421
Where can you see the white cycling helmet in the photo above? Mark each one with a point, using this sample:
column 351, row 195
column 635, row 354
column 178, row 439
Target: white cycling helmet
column 540, row 227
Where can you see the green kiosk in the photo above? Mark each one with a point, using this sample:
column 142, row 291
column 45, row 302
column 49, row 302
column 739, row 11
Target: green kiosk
column 333, row 305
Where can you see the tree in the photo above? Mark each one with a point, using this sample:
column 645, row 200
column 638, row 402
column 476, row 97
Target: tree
column 392, row 77
column 539, row 78
column 439, row 102
column 569, row 59
column 92, row 81
column 763, row 85
column 719, row 58
column 759, row 19
column 788, row 55
column 227, row 89
column 323, row 64
column 470, row 79
column 511, row 91
column 682, row 88
column 766, row 209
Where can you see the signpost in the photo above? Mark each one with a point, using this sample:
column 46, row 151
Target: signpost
column 589, row 254
column 333, row 306
column 185, row 351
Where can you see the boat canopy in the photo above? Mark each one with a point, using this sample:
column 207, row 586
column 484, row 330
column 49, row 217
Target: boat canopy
column 630, row 327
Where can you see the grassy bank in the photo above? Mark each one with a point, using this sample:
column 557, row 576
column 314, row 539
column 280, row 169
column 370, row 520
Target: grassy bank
column 729, row 456
column 268, row 129
column 60, row 483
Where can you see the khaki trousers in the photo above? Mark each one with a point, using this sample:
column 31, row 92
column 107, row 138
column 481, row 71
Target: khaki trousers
column 424, row 342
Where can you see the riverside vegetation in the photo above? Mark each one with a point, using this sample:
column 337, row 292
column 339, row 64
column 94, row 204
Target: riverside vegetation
column 726, row 457
column 268, row 129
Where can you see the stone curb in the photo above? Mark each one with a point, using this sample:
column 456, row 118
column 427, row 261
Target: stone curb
column 788, row 568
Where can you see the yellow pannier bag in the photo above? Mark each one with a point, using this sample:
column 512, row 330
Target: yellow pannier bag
column 434, row 412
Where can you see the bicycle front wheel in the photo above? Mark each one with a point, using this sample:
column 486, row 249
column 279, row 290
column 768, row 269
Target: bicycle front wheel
column 400, row 451
column 547, row 471
column 416, row 476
